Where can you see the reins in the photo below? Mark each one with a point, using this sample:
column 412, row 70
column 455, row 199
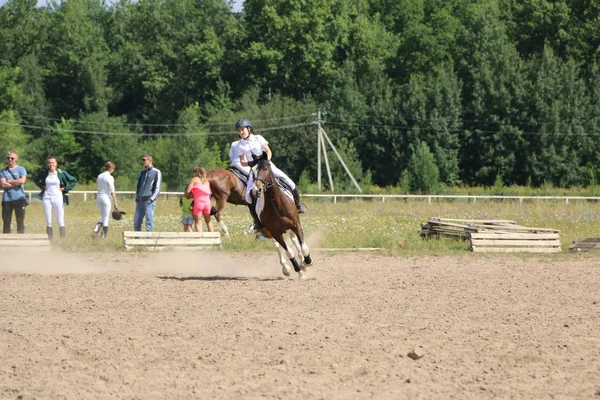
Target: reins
column 268, row 185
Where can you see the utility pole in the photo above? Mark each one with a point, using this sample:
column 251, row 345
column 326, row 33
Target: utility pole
column 321, row 147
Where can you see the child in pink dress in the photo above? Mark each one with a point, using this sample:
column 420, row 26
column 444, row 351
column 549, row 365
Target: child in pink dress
column 199, row 189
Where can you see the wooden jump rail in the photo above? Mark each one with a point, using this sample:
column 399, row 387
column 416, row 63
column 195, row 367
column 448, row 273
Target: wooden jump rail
column 27, row 242
column 494, row 242
column 581, row 245
column 185, row 241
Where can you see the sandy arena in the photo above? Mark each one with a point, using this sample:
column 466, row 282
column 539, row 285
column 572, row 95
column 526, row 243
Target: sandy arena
column 181, row 326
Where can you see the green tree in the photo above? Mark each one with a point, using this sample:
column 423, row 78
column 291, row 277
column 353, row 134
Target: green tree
column 77, row 78
column 291, row 44
column 494, row 96
column 559, row 105
column 186, row 149
column 109, row 139
column 12, row 136
column 59, row 140
column 422, row 170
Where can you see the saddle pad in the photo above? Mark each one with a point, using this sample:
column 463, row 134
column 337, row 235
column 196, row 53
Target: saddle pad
column 241, row 175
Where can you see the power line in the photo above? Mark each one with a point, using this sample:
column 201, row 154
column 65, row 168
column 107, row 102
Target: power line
column 158, row 125
column 292, row 126
column 44, row 128
column 513, row 132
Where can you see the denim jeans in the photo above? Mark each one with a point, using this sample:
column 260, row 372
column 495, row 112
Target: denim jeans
column 144, row 209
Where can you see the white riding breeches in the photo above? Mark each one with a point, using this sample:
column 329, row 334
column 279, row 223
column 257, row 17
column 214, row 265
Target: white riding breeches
column 103, row 202
column 279, row 174
column 56, row 203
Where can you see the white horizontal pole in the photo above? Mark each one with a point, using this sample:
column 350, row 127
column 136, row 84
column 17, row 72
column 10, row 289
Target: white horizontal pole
column 383, row 197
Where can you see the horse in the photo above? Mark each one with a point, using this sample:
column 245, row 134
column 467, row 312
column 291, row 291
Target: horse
column 278, row 214
column 226, row 187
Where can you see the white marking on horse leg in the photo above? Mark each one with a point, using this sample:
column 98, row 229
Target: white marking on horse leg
column 224, row 228
column 305, row 250
column 285, row 268
column 290, row 251
column 260, row 206
column 296, row 242
column 302, row 275
column 282, row 259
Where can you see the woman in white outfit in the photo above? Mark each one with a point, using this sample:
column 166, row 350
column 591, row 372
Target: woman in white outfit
column 55, row 185
column 106, row 192
column 249, row 149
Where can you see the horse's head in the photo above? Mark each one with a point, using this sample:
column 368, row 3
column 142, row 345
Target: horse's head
column 263, row 176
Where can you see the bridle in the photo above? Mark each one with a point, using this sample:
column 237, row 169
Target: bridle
column 266, row 184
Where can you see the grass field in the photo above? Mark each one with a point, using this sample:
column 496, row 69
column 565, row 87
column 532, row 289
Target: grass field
column 393, row 225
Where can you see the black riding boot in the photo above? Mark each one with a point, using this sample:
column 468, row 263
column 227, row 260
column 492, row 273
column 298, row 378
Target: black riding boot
column 301, row 207
column 63, row 231
column 104, row 232
column 49, row 232
column 96, row 230
column 257, row 224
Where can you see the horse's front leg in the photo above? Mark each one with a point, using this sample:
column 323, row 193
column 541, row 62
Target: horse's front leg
column 297, row 239
column 285, row 268
column 290, row 254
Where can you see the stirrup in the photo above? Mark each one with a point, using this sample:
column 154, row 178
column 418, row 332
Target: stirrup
column 301, row 208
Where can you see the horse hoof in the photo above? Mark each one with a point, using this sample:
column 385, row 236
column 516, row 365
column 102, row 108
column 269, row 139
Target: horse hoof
column 307, row 261
column 302, row 276
column 286, row 270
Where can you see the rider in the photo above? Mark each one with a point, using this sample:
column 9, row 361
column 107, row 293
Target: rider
column 248, row 150
column 235, row 159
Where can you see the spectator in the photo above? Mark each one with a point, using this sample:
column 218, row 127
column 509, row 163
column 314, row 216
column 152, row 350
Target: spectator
column 106, row 191
column 146, row 193
column 187, row 219
column 56, row 185
column 12, row 179
column 199, row 188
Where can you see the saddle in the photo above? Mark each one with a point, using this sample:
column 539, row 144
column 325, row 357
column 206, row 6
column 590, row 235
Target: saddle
column 285, row 187
column 242, row 176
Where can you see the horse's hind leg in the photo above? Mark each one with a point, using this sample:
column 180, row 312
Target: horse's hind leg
column 219, row 207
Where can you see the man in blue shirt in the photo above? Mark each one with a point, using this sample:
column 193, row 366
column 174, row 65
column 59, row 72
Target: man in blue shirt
column 146, row 193
column 12, row 179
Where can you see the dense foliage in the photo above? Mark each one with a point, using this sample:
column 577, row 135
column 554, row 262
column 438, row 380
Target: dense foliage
column 418, row 93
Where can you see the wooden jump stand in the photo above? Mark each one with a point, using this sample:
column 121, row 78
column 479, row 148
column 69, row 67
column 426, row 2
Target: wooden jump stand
column 27, row 241
column 182, row 241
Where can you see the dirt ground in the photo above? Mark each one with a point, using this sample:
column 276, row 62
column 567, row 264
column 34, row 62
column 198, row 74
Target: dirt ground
column 228, row 326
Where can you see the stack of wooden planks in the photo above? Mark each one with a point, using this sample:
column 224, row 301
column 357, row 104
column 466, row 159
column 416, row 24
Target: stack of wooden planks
column 495, row 235
column 460, row 228
column 584, row 244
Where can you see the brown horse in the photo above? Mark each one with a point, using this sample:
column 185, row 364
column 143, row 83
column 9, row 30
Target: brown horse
column 278, row 214
column 226, row 187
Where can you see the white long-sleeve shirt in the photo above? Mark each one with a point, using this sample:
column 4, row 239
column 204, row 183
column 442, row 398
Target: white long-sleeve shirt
column 106, row 184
